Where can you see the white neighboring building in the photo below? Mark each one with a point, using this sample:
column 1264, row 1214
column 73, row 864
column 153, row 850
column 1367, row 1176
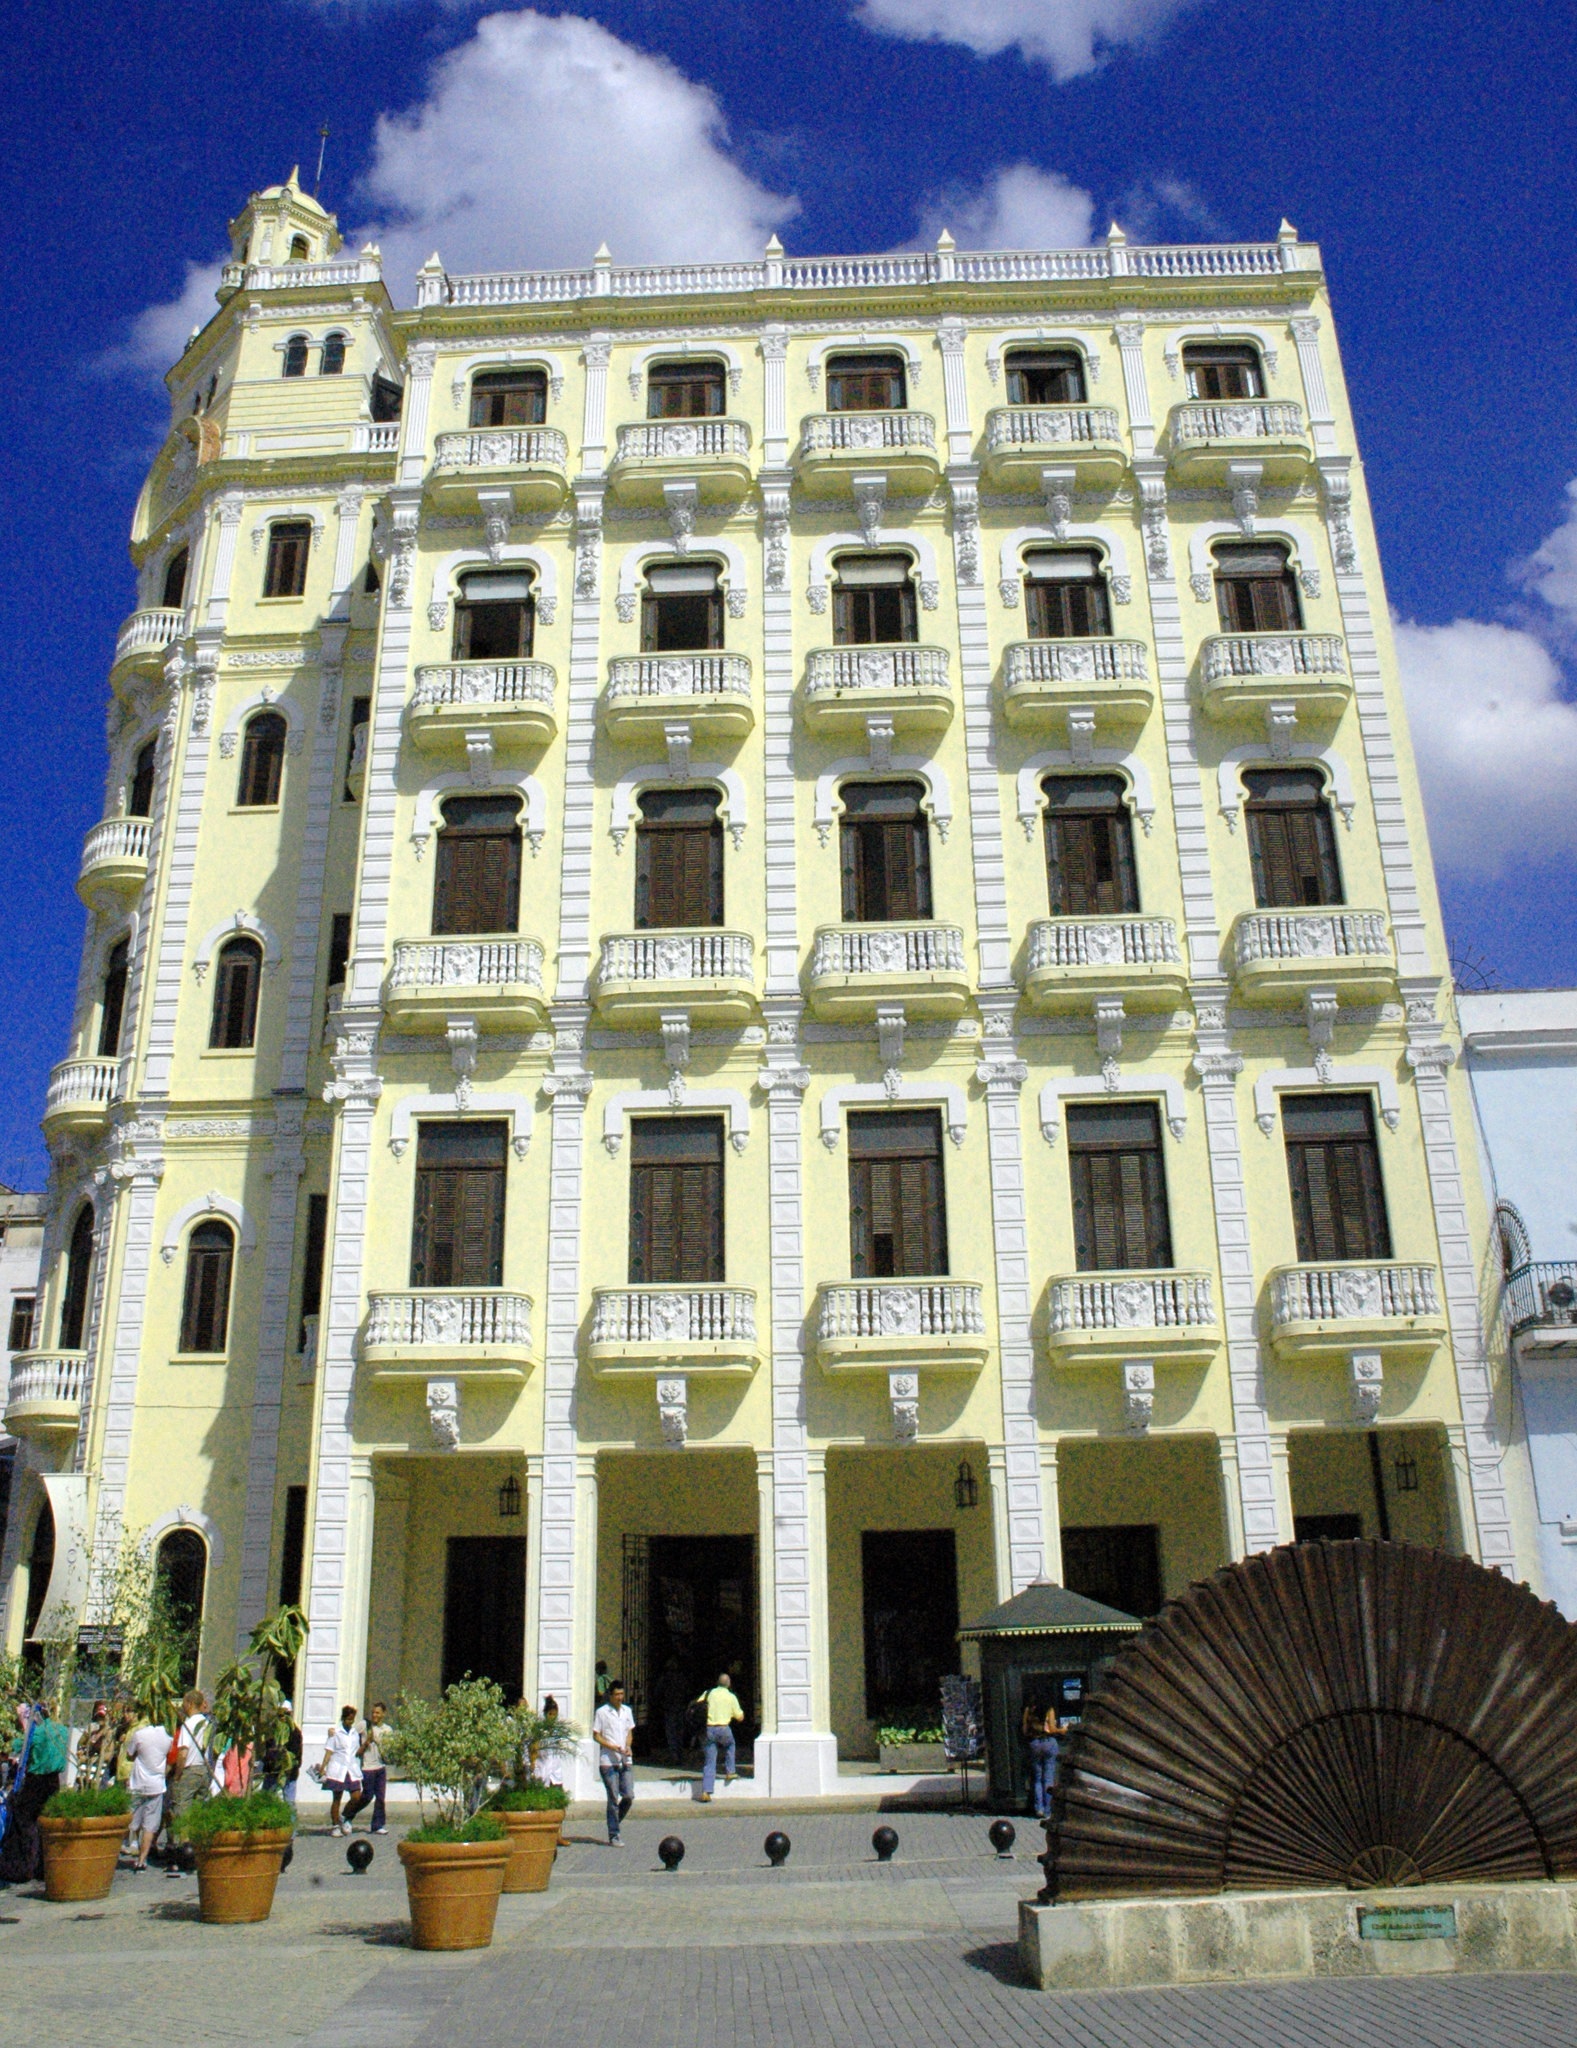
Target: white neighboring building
column 21, row 1247
column 1520, row 1050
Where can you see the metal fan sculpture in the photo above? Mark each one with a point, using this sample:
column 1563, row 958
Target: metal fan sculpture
column 1328, row 1714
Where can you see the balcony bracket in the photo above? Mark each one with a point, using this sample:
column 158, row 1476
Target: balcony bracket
column 498, row 510
column 443, row 1413
column 462, row 1034
column 678, row 737
column 890, row 1026
column 676, row 1051
column 479, row 756
column 1319, row 1011
column 879, row 736
column 680, row 499
column 673, row 1411
column 870, row 496
column 1081, row 735
column 1057, row 487
column 903, row 1395
column 1243, row 480
column 1138, row 1394
column 1367, row 1375
column 1281, row 728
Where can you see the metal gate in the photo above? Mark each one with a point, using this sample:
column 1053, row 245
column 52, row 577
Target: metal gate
column 634, row 1636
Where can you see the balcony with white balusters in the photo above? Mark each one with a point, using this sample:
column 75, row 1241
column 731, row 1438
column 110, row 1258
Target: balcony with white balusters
column 1246, row 673
column 674, row 1328
column 1278, row 955
column 479, row 1333
column 1206, row 436
column 80, row 1095
column 906, row 685
column 528, row 465
column 1043, row 680
column 713, row 454
column 45, row 1394
column 836, row 446
column 1329, row 1309
column 1109, row 1318
column 513, row 702
column 495, row 980
column 1021, row 440
column 706, row 974
column 114, row 862
column 647, row 693
column 144, row 641
column 857, row 968
column 1072, row 961
column 919, row 1325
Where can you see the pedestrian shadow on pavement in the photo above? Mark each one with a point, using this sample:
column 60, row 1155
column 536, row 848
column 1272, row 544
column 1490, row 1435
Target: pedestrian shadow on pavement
column 999, row 1959
column 374, row 1934
column 175, row 1909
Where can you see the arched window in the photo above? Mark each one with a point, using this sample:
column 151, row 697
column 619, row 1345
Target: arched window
column 886, row 852
column 332, row 361
column 205, row 1305
column 175, row 579
column 1089, row 846
column 685, row 391
column 238, row 973
column 873, row 601
column 509, row 398
column 476, row 879
column 1291, row 840
column 1222, row 369
column 1065, row 596
column 678, row 860
column 494, row 617
column 295, row 357
column 79, row 1275
column 40, row 1564
column 300, row 249
column 866, row 383
column 181, row 1577
column 681, row 608
column 1256, row 591
column 262, row 760
column 139, row 791
column 112, row 999
column 1045, row 376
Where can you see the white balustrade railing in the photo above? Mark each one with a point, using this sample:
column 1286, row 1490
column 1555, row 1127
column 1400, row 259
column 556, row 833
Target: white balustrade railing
column 149, row 632
column 673, row 1315
column 831, row 669
column 466, row 963
column 682, row 440
column 888, row 949
column 82, row 1084
column 1031, row 663
column 502, row 448
column 677, row 956
column 382, row 438
column 1352, row 1292
column 1225, row 655
column 1131, row 1301
column 57, row 1376
column 1310, row 935
column 636, row 676
column 1102, row 942
column 1236, row 419
column 482, row 683
column 116, row 839
column 463, row 1317
column 901, row 1308
column 865, row 433
column 858, row 273
column 264, row 277
column 1050, row 426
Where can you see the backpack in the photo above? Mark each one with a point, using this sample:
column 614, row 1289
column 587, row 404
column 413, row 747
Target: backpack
column 695, row 1719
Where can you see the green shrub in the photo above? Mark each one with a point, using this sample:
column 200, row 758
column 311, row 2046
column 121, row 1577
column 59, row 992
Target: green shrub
column 206, row 1818
column 481, row 1827
column 529, row 1799
column 449, row 1751
column 87, row 1802
column 891, row 1738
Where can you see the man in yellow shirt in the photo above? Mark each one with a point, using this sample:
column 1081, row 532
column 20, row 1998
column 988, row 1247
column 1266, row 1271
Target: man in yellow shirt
column 722, row 1711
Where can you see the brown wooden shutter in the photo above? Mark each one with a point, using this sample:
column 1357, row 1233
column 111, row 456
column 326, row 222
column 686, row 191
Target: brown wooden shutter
column 236, row 979
column 1292, row 845
column 205, row 1310
column 79, row 1269
column 678, row 860
column 1333, row 1168
column 476, row 879
column 897, row 1212
column 676, row 1201
column 457, row 1239
column 1119, row 1187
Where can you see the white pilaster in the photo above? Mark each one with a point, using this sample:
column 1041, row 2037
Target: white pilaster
column 1051, row 1512
column 1129, row 337
column 1316, row 398
column 1001, row 1541
column 419, row 362
column 1231, row 1499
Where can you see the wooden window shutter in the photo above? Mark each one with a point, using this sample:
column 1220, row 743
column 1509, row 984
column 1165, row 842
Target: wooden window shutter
column 1333, row 1168
column 1292, row 844
column 236, row 978
column 205, row 1310
column 1119, row 1187
column 457, row 1237
column 676, row 1201
column 79, row 1270
column 897, row 1215
column 262, row 760
column 476, row 877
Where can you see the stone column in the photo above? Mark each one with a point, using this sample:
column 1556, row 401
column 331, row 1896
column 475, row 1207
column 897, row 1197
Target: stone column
column 1231, row 1499
column 1051, row 1512
column 1001, row 1540
column 1459, row 1490
column 767, row 1598
column 1281, row 1482
column 532, row 1682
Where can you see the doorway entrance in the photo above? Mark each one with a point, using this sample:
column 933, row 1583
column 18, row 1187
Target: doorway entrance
column 689, row 1613
column 485, row 1611
column 911, row 1622
column 1119, row 1565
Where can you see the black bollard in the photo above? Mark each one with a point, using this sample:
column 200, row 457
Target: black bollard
column 670, row 1852
column 358, row 1856
column 885, row 1843
column 1002, row 1835
column 777, row 1846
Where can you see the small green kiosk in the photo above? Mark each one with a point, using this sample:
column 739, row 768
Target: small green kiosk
column 1044, row 1647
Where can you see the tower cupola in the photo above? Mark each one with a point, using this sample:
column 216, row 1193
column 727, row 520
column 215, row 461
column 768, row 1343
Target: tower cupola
column 281, row 224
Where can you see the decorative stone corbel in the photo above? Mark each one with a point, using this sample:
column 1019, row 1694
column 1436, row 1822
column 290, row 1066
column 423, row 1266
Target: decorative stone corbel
column 680, row 501
column 890, row 1026
column 679, row 738
column 1203, row 585
column 673, row 1411
column 1281, row 726
column 1366, row 1375
column 462, row 1036
column 1319, row 1014
column 1243, row 480
column 624, row 605
column 879, row 736
column 870, row 495
column 498, row 508
column 479, row 756
column 1057, row 488
column 1081, row 734
column 1109, row 1019
column 443, row 1413
column 676, row 1050
column 903, row 1395
column 1138, row 1394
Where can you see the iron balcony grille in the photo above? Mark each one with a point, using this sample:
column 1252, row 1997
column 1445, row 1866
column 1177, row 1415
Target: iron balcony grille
column 1543, row 1295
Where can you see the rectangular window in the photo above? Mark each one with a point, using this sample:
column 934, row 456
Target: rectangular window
column 1045, row 376
column 339, row 949
column 293, row 1546
column 312, row 1252
column 494, row 619
column 681, row 610
column 1089, row 846
column 356, row 743
column 873, row 602
column 458, row 1238
column 1065, row 596
column 684, row 391
column 897, row 1210
column 20, row 1336
column 676, row 1201
column 509, row 398
column 1256, row 591
column 678, row 860
column 387, row 398
column 1119, row 1187
column 866, row 383
column 886, row 852
column 1119, row 1565
column 1225, row 370
column 289, row 543
column 1291, row 841
column 1333, row 1164
column 476, row 880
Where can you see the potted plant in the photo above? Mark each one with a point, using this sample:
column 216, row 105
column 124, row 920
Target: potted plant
column 455, row 1860
column 82, row 1829
column 532, row 1814
column 240, row 1842
column 911, row 1746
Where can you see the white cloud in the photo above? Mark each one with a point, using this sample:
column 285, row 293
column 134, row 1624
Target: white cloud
column 542, row 136
column 1069, row 36
column 1018, row 207
column 1550, row 571
column 158, row 334
column 1496, row 743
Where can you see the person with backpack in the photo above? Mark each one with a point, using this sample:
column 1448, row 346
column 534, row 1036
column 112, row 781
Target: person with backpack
column 189, row 1768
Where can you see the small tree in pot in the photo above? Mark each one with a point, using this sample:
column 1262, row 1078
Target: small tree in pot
column 455, row 1860
column 531, row 1809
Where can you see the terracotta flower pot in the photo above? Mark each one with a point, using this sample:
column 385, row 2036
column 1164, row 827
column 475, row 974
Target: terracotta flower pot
column 237, row 1873
column 533, row 1844
column 80, row 1855
column 453, row 1888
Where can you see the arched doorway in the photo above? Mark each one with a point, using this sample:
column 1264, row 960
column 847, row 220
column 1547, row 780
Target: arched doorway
column 40, row 1565
column 181, row 1575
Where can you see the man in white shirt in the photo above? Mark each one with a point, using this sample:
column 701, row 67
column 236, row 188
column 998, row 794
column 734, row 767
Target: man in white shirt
column 149, row 1749
column 613, row 1731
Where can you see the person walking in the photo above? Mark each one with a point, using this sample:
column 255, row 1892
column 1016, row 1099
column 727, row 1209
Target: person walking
column 1042, row 1732
column 341, row 1766
column 546, row 1763
column 189, row 1767
column 722, row 1711
column 42, row 1745
column 148, row 1747
column 282, row 1758
column 374, row 1772
column 613, row 1730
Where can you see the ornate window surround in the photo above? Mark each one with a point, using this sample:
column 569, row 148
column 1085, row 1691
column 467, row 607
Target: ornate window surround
column 478, row 364
column 518, row 1108
column 734, row 581
column 734, row 810
column 241, row 923
column 211, row 1204
column 897, row 768
column 1062, row 761
column 681, row 351
column 945, row 1095
column 448, row 570
column 1041, row 337
column 629, row 1102
column 1319, row 1080
column 263, row 699
column 862, row 344
column 1258, row 754
column 1077, row 533
column 199, row 1523
column 888, row 541
column 1299, row 540
column 1097, row 1088
column 1268, row 343
column 285, row 515
column 517, row 782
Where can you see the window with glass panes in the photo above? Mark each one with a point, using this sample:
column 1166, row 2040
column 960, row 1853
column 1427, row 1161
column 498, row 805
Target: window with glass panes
column 866, row 383
column 1045, row 376
column 494, row 617
column 1256, row 591
column 685, row 391
column 1119, row 1187
column 289, row 544
column 112, row 998
column 205, row 1305
column 476, row 879
column 1089, row 846
column 678, row 860
column 676, row 1201
column 1291, row 840
column 509, row 398
column 1222, row 370
column 457, row 1234
column 897, row 1209
column 1065, row 595
column 1333, row 1165
column 873, row 601
column 238, row 975
column 886, row 852
column 681, row 609
column 262, row 761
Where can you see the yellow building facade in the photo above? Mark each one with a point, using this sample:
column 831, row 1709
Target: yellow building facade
column 774, row 969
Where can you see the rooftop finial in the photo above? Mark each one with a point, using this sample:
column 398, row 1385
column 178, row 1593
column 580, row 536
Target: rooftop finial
column 604, row 254
column 945, row 241
column 1115, row 235
column 1286, row 232
column 774, row 247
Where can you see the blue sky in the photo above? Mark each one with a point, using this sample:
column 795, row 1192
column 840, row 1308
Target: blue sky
column 1427, row 145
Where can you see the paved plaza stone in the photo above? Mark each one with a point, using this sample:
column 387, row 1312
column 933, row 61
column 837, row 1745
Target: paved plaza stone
column 725, row 1953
